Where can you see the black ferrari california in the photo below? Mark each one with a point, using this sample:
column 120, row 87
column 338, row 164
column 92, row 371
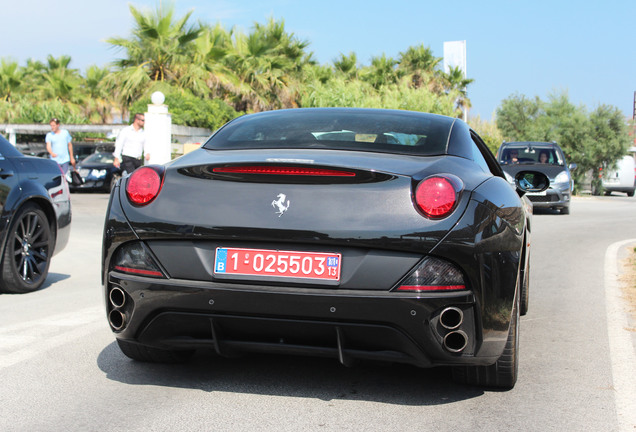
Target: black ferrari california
column 347, row 233
column 36, row 218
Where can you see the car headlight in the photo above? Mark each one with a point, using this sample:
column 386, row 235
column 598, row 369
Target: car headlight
column 68, row 177
column 562, row 178
column 98, row 173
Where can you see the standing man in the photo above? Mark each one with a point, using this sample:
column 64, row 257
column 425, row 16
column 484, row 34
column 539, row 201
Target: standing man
column 131, row 146
column 59, row 145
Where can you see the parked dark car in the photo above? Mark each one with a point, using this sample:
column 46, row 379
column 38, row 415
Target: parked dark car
column 83, row 150
column 36, row 218
column 96, row 173
column 554, row 165
column 345, row 233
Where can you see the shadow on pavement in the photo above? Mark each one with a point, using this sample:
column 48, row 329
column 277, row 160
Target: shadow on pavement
column 53, row 278
column 324, row 379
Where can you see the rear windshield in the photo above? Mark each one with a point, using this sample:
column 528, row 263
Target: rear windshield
column 389, row 132
column 511, row 155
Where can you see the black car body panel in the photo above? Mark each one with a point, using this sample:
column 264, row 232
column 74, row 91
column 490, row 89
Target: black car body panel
column 369, row 218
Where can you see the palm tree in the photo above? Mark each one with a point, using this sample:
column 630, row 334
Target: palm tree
column 61, row 81
column 11, row 77
column 268, row 63
column 420, row 64
column 207, row 74
column 347, row 65
column 383, row 71
column 99, row 101
column 455, row 80
column 157, row 51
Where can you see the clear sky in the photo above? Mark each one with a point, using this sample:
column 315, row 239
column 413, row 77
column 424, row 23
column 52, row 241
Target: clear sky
column 535, row 48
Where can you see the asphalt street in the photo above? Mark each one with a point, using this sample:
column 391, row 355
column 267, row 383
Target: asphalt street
column 61, row 370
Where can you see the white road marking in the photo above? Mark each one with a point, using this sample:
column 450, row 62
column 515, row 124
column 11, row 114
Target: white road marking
column 620, row 341
column 23, row 341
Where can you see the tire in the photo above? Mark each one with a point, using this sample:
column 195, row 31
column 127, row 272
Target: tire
column 113, row 182
column 525, row 291
column 27, row 253
column 148, row 354
column 565, row 210
column 630, row 193
column 502, row 374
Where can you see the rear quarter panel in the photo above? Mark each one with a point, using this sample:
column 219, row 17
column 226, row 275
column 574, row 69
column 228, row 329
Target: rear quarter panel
column 487, row 243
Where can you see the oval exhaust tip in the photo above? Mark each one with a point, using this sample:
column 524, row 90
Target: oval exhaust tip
column 451, row 318
column 117, row 297
column 455, row 341
column 116, row 319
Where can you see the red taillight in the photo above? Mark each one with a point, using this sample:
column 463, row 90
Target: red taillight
column 65, row 188
column 144, row 185
column 434, row 274
column 134, row 258
column 278, row 170
column 436, row 196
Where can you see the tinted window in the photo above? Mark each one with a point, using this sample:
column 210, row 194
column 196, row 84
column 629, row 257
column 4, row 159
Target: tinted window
column 367, row 130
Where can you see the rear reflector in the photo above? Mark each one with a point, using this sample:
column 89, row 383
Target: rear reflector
column 277, row 170
column 138, row 271
column 431, row 287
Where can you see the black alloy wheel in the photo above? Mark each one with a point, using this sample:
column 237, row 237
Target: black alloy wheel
column 27, row 254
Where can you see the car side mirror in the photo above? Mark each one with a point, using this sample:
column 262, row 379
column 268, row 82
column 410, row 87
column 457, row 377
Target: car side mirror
column 572, row 166
column 531, row 181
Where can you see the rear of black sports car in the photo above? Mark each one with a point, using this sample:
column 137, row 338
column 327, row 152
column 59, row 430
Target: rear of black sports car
column 352, row 234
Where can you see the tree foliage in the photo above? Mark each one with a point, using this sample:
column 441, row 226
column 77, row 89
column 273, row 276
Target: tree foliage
column 211, row 74
column 266, row 68
column 189, row 110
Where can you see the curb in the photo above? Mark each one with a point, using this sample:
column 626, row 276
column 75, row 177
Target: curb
column 621, row 346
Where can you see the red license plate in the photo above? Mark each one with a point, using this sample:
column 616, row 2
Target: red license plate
column 240, row 263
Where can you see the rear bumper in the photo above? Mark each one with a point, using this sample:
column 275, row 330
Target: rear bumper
column 345, row 325
column 618, row 188
column 63, row 215
column 91, row 185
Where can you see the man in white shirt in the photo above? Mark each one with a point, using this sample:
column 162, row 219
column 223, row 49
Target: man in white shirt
column 130, row 146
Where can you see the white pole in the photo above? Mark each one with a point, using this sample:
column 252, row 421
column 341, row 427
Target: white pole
column 158, row 127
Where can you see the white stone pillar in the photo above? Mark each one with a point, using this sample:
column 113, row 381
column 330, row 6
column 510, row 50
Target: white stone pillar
column 12, row 136
column 158, row 128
